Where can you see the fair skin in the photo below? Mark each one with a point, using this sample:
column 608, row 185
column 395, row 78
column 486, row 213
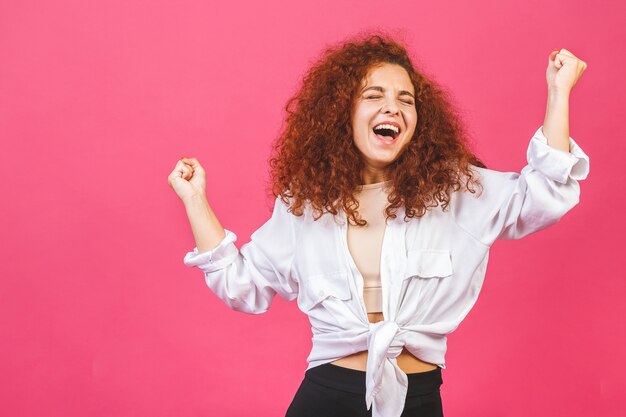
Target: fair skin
column 564, row 70
column 387, row 96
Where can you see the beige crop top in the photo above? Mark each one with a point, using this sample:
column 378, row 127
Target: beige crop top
column 365, row 242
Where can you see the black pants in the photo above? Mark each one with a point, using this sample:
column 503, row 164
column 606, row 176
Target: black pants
column 330, row 390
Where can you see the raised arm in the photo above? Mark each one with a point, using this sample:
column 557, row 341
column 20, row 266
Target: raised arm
column 514, row 205
column 245, row 280
column 563, row 71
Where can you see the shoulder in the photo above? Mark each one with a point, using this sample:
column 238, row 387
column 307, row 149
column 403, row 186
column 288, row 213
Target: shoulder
column 491, row 180
column 488, row 190
column 492, row 175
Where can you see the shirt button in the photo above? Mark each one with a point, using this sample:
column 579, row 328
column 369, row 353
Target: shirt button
column 321, row 293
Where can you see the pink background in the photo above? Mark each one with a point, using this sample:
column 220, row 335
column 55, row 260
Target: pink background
column 98, row 100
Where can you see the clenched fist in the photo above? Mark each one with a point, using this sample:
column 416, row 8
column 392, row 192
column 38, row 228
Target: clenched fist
column 564, row 69
column 188, row 178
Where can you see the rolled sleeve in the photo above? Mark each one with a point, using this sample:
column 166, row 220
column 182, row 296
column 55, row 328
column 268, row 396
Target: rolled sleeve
column 247, row 279
column 217, row 258
column 557, row 164
column 512, row 205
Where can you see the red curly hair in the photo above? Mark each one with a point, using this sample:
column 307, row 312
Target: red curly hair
column 315, row 160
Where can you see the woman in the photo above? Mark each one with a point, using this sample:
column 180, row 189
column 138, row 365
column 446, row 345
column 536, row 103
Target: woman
column 399, row 258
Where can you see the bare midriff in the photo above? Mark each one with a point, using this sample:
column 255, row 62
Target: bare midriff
column 406, row 361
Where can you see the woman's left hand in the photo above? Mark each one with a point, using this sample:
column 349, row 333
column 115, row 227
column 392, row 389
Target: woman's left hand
column 564, row 69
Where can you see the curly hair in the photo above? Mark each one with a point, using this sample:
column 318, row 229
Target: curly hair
column 315, row 160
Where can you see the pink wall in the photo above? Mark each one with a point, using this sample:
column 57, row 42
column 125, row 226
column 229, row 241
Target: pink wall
column 98, row 100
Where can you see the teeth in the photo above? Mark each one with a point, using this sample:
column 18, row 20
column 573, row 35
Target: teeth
column 386, row 126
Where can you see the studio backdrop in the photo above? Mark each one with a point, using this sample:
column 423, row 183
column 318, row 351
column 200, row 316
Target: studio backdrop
column 99, row 99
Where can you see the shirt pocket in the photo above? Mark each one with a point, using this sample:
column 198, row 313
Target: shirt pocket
column 428, row 263
column 317, row 288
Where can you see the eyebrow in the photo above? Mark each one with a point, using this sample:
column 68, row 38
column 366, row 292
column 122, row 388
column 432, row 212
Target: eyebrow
column 382, row 90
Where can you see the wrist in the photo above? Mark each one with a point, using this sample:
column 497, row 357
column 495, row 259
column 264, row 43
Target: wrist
column 195, row 200
column 555, row 92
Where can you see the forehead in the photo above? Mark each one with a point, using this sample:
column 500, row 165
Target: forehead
column 388, row 76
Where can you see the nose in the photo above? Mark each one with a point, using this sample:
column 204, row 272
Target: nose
column 390, row 106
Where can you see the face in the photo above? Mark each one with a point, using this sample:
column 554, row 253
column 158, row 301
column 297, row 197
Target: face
column 384, row 117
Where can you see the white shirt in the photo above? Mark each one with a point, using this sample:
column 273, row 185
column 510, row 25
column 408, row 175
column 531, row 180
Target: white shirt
column 432, row 268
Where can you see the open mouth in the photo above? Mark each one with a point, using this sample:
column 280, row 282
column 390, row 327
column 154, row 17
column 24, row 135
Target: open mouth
column 386, row 132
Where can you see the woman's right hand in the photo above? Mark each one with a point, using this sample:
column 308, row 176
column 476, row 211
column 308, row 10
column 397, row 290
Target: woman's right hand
column 188, row 178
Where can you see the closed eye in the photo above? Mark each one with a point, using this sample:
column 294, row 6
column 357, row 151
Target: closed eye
column 410, row 102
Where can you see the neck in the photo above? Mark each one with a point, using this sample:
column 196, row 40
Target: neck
column 373, row 176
